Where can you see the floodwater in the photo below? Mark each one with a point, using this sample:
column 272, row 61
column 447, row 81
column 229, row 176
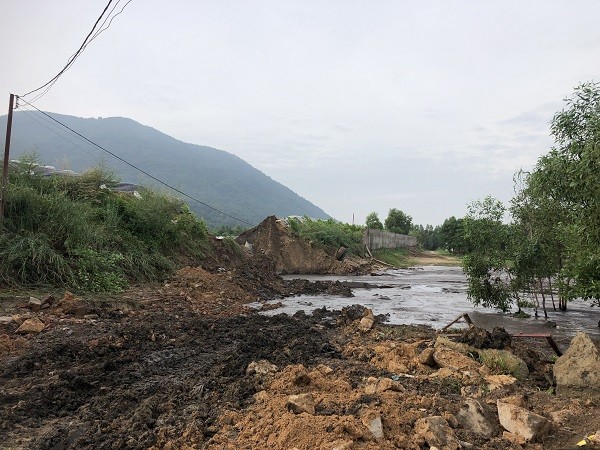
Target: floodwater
column 435, row 296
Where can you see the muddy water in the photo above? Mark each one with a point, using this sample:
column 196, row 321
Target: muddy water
column 435, row 296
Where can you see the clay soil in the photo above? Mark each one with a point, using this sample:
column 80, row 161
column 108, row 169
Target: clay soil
column 167, row 367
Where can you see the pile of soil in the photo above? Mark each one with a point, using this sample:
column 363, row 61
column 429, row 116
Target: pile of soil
column 294, row 254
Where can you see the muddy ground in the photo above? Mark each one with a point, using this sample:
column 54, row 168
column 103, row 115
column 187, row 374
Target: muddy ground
column 187, row 365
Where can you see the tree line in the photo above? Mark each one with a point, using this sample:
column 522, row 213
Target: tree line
column 448, row 236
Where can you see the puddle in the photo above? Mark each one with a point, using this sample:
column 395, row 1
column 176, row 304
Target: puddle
column 435, row 295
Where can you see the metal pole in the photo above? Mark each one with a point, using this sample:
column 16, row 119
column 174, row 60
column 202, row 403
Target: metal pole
column 6, row 156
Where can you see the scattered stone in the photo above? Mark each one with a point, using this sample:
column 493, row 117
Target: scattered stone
column 372, row 420
column 72, row 305
column 35, row 304
column 6, row 320
column 379, row 385
column 397, row 367
column 505, row 362
column 476, row 417
column 521, row 422
column 426, row 357
column 301, row 403
column 437, row 433
column 34, row 325
column 579, row 367
column 497, row 381
column 20, row 318
column 48, row 299
column 261, row 367
column 367, row 322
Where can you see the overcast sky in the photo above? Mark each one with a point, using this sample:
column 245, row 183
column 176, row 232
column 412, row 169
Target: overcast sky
column 358, row 106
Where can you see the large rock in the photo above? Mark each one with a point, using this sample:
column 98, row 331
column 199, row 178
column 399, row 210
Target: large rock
column 437, row 433
column 579, row 367
column 476, row 417
column 521, row 422
column 34, row 325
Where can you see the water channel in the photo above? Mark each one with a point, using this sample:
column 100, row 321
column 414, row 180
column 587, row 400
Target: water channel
column 436, row 295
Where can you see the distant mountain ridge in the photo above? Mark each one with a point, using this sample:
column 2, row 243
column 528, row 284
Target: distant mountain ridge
column 213, row 176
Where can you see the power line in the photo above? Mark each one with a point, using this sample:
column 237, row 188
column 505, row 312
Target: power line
column 90, row 37
column 41, row 123
column 135, row 167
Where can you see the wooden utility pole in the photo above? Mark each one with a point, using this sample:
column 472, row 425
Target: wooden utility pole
column 6, row 156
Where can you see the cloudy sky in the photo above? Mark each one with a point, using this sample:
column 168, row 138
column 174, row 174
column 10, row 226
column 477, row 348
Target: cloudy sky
column 357, row 106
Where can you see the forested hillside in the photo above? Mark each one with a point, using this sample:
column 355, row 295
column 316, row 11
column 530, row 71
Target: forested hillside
column 213, row 176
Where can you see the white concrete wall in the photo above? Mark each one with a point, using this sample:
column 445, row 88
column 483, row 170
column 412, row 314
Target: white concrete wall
column 375, row 239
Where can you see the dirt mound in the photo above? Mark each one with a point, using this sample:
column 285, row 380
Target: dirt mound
column 294, row 254
column 477, row 337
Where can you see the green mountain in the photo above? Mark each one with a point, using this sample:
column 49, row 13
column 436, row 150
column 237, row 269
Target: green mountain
column 212, row 176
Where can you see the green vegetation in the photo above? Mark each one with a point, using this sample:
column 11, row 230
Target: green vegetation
column 330, row 233
column 397, row 257
column 68, row 231
column 373, row 221
column 398, row 222
column 552, row 244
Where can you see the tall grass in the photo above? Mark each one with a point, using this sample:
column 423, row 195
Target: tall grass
column 75, row 231
column 330, row 233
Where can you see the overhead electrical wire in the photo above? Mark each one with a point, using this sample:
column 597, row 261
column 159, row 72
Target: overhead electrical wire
column 93, row 34
column 134, row 166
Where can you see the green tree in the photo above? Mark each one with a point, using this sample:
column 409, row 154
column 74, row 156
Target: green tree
column 427, row 236
column 398, row 222
column 452, row 236
column 373, row 221
column 485, row 264
column 561, row 198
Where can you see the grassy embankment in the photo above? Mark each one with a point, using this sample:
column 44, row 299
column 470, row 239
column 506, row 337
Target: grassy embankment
column 74, row 232
column 403, row 258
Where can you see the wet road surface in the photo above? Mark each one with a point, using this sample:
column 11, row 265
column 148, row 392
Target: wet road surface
column 435, row 295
